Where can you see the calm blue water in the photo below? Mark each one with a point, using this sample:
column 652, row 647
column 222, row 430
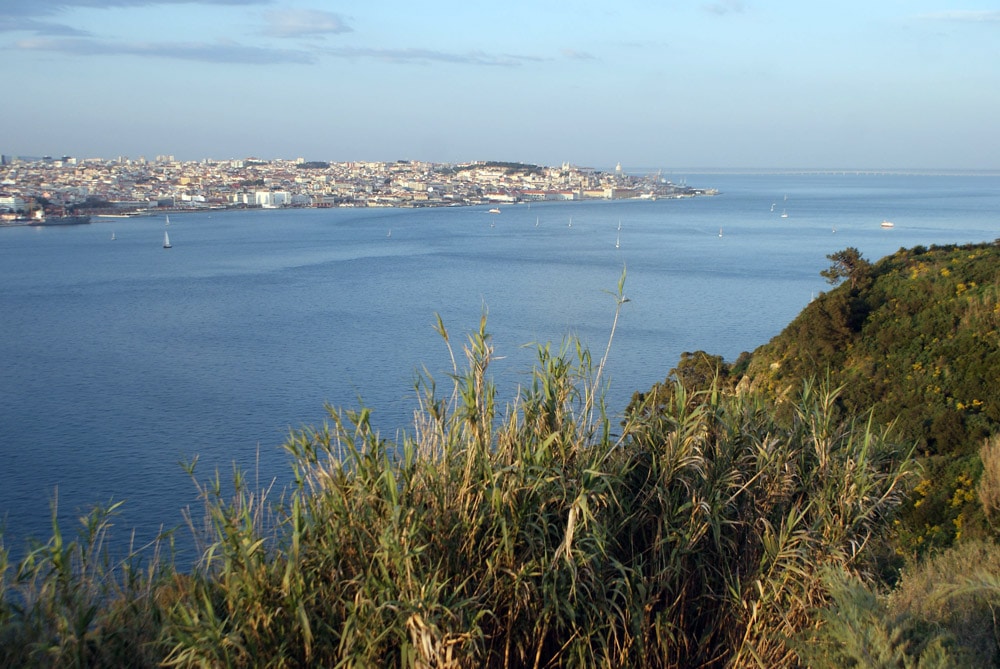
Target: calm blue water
column 120, row 359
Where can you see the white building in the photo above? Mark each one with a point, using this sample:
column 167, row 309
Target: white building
column 11, row 203
column 272, row 199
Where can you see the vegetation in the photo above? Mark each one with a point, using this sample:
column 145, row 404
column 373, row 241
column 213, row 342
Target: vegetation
column 740, row 515
column 313, row 165
column 508, row 167
column 917, row 339
column 539, row 537
column 847, row 264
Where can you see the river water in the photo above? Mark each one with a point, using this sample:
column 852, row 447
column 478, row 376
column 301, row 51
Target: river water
column 121, row 359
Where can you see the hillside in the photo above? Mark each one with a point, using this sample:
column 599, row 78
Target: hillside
column 915, row 337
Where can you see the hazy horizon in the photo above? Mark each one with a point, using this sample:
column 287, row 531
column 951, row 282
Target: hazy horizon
column 884, row 86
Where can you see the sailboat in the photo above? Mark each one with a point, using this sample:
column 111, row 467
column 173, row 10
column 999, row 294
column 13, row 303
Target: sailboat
column 619, row 224
column 536, row 221
column 166, row 240
column 113, row 238
column 570, row 222
column 168, row 219
column 784, row 214
column 720, row 233
column 618, row 241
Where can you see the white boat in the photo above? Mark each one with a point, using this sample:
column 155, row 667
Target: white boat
column 570, row 222
column 720, row 233
column 113, row 236
column 495, row 210
column 166, row 240
column 618, row 241
column 168, row 219
column 888, row 224
column 772, row 206
column 784, row 214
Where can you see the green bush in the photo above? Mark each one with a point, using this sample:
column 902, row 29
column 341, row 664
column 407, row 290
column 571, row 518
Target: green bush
column 941, row 613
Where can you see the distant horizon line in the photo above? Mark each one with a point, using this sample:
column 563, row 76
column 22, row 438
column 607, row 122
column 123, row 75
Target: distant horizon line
column 764, row 171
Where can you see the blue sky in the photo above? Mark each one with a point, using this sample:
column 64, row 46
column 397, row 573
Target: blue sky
column 874, row 84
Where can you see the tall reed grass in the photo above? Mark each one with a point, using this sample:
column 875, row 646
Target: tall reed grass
column 539, row 534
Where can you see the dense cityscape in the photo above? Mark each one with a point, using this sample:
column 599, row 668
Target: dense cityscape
column 49, row 190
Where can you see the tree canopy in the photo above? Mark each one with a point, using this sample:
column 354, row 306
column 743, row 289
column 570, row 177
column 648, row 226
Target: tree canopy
column 847, row 264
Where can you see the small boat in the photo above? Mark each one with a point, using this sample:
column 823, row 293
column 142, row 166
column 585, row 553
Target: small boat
column 772, row 206
column 720, row 233
column 888, row 224
column 570, row 222
column 784, row 214
column 618, row 241
column 536, row 221
column 113, row 238
column 168, row 219
column 166, row 240
column 495, row 210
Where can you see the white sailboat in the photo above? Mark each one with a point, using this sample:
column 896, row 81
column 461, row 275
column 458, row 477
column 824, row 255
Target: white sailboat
column 113, row 238
column 784, row 214
column 168, row 219
column 618, row 241
column 166, row 240
column 720, row 233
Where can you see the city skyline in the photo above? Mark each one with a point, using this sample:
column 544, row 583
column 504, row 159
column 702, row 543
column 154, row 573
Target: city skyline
column 721, row 83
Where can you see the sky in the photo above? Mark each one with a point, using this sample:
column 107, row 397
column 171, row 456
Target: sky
column 856, row 84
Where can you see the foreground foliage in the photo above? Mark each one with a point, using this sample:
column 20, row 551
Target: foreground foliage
column 697, row 536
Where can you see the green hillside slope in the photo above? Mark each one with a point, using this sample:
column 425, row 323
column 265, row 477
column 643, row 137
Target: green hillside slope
column 917, row 339
column 914, row 338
